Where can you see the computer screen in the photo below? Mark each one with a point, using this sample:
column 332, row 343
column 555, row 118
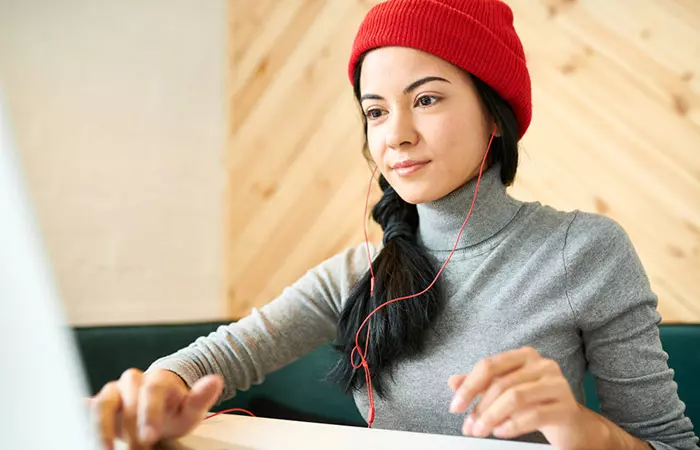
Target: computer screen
column 42, row 383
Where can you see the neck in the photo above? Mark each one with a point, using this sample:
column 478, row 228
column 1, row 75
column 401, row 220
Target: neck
column 441, row 220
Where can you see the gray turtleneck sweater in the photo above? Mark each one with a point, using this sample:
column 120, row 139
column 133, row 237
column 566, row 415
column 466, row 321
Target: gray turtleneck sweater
column 569, row 284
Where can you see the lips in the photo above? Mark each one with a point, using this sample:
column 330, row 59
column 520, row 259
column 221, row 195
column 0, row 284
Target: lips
column 408, row 167
column 408, row 163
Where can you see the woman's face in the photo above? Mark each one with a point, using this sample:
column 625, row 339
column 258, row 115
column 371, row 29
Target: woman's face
column 427, row 129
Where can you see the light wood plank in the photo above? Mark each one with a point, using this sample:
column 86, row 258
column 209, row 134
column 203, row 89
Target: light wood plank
column 616, row 130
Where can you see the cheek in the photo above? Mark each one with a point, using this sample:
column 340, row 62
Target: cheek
column 376, row 146
column 456, row 140
column 446, row 138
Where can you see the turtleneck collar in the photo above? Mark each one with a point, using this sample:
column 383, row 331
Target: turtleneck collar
column 440, row 220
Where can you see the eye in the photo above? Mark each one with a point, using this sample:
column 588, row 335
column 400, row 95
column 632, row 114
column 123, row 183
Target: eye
column 427, row 100
column 373, row 114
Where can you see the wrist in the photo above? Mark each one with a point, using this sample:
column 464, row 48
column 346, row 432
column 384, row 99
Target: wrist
column 606, row 435
column 169, row 376
column 178, row 378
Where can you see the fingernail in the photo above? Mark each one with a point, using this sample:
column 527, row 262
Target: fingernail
column 148, row 434
column 467, row 427
column 500, row 431
column 456, row 405
column 479, row 429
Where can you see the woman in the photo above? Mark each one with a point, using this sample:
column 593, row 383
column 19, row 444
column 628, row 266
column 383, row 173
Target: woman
column 510, row 311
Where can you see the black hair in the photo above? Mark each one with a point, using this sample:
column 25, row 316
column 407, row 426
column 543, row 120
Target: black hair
column 404, row 267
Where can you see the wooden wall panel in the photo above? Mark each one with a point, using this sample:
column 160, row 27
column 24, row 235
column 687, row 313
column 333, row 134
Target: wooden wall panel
column 616, row 130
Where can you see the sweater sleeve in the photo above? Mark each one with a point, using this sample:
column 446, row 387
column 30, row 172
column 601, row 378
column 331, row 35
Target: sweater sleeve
column 616, row 312
column 300, row 319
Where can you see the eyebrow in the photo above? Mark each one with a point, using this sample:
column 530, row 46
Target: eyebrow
column 411, row 87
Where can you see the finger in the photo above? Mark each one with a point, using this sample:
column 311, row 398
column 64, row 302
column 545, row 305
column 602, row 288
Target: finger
column 455, row 381
column 129, row 385
column 528, row 373
column 485, row 371
column 204, row 393
column 105, row 406
column 515, row 400
column 528, row 421
column 151, row 410
column 468, row 425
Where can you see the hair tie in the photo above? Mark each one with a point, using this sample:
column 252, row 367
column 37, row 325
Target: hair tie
column 398, row 229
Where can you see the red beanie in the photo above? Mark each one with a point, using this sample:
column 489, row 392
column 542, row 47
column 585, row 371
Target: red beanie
column 475, row 35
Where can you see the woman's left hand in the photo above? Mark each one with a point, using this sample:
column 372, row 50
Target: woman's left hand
column 521, row 392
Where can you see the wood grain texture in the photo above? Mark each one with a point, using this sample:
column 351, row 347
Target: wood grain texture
column 616, row 130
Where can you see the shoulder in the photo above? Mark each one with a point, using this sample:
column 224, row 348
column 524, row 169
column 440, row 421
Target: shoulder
column 594, row 234
column 579, row 230
column 604, row 274
column 597, row 251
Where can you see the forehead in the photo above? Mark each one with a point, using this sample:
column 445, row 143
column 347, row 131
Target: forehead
column 396, row 67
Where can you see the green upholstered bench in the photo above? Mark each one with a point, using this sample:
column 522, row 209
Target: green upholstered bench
column 298, row 391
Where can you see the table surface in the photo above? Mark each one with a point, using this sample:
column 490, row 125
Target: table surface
column 234, row 432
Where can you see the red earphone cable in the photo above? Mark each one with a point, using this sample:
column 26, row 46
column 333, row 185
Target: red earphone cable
column 230, row 410
column 363, row 361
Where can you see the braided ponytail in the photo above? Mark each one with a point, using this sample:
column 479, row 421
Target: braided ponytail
column 403, row 267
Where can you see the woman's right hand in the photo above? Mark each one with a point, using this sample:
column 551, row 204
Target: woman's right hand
column 145, row 408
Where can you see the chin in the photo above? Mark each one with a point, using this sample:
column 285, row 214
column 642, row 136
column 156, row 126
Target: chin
column 416, row 196
column 418, row 190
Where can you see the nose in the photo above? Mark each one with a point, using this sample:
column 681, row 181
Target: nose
column 401, row 130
